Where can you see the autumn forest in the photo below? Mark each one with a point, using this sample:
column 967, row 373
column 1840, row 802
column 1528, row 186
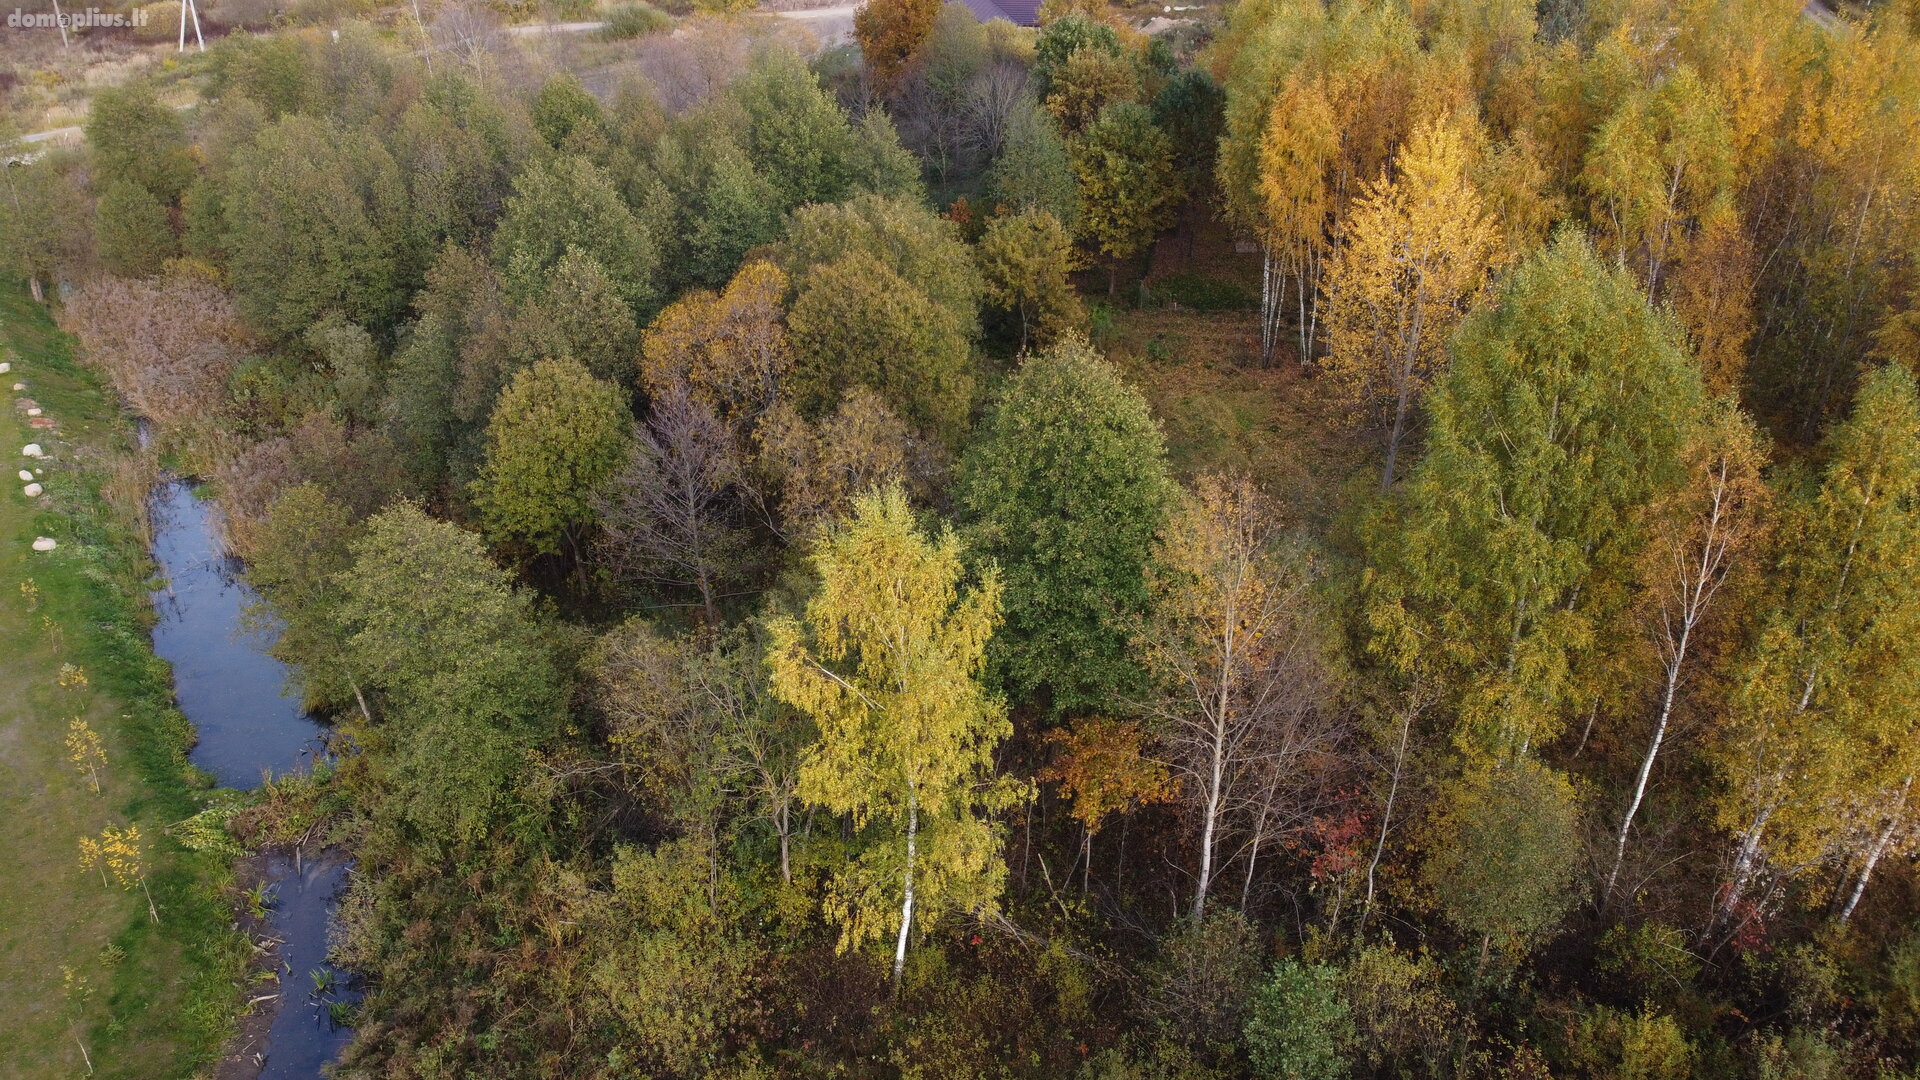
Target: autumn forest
column 775, row 534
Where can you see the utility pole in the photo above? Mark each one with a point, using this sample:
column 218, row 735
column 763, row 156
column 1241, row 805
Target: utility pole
column 189, row 7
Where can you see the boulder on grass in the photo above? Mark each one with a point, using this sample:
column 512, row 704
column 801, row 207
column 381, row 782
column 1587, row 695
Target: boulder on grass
column 45, row 543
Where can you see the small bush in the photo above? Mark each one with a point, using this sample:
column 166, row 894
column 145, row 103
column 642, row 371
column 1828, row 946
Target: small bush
column 163, row 22
column 1300, row 1026
column 1101, row 325
column 632, row 19
column 1608, row 1044
column 1201, row 982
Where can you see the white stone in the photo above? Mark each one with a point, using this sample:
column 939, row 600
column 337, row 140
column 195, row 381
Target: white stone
column 19, row 386
column 33, row 490
column 32, row 449
column 5, row 367
column 35, row 411
column 45, row 543
column 27, row 476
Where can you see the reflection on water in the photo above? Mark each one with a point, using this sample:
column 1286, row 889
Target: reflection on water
column 235, row 694
column 248, row 724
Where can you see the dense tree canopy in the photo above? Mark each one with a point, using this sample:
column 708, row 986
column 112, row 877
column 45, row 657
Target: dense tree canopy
column 1565, row 410
column 568, row 205
column 315, row 219
column 733, row 543
column 1064, row 491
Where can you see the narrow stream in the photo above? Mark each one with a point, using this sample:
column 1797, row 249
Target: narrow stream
column 237, row 697
column 235, row 694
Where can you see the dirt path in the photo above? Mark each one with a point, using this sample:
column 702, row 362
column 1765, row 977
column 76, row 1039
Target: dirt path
column 832, row 25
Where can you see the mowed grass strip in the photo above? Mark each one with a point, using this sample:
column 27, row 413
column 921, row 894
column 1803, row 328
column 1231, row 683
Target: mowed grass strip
column 158, row 999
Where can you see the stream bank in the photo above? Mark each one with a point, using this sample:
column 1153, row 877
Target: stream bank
column 145, row 1000
column 251, row 725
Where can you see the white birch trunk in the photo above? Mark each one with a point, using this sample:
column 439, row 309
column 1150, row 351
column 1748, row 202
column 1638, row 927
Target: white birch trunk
column 906, row 905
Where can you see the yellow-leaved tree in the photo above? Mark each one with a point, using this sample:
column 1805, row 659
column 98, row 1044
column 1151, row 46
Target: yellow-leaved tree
column 122, row 853
column 729, row 351
column 86, row 751
column 1297, row 150
column 1699, row 536
column 1653, row 169
column 1817, row 762
column 1418, row 250
column 886, row 658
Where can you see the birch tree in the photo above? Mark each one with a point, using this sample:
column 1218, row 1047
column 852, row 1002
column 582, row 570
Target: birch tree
column 1235, row 641
column 886, row 659
column 1699, row 537
column 1818, row 704
column 1565, row 410
column 1418, row 250
column 1297, row 151
column 1653, row 168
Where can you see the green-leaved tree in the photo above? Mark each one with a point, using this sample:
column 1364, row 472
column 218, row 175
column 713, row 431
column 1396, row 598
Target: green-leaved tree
column 1568, row 407
column 1066, row 487
column 557, row 433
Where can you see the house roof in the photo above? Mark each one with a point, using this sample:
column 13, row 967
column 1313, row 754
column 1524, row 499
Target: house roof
column 1017, row 12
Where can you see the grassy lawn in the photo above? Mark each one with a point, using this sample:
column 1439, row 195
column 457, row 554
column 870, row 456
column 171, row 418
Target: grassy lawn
column 159, row 998
column 1222, row 410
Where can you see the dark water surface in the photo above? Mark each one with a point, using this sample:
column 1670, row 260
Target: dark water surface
column 304, row 1036
column 236, row 695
